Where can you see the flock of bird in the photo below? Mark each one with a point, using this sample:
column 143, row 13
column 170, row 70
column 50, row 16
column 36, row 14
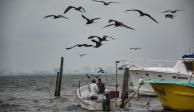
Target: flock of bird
column 98, row 40
column 111, row 22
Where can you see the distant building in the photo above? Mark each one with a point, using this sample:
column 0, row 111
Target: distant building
column 39, row 72
column 96, row 69
column 86, row 69
column 109, row 69
column 76, row 71
column 55, row 70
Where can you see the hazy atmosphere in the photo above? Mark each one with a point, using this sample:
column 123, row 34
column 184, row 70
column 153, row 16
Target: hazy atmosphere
column 29, row 42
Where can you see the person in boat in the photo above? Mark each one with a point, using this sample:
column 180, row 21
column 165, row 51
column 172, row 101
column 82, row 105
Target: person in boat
column 93, row 88
column 106, row 101
column 101, row 86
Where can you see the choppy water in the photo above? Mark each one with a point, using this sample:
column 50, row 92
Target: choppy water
column 36, row 94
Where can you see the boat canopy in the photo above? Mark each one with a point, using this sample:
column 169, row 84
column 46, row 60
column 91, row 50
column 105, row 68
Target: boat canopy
column 185, row 83
column 188, row 56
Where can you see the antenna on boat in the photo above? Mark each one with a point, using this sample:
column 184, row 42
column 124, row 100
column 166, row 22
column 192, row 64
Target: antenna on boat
column 79, row 89
column 191, row 49
column 116, row 63
column 190, row 77
column 192, row 71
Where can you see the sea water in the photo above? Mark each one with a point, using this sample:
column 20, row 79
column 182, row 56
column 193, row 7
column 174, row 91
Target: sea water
column 35, row 93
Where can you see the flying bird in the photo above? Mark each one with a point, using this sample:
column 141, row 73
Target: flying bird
column 98, row 43
column 117, row 61
column 88, row 76
column 101, row 70
column 117, row 24
column 56, row 16
column 135, row 48
column 89, row 21
column 104, row 38
column 122, row 67
column 105, row 3
column 81, row 55
column 143, row 14
column 79, row 45
column 171, row 11
column 169, row 16
column 80, row 9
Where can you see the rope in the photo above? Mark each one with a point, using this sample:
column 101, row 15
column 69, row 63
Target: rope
column 129, row 99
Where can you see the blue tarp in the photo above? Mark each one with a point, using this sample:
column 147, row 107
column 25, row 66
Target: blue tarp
column 188, row 56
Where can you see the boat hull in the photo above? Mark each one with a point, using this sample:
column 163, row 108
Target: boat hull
column 146, row 89
column 174, row 96
column 82, row 94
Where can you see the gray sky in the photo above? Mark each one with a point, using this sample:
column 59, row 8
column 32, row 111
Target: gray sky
column 28, row 42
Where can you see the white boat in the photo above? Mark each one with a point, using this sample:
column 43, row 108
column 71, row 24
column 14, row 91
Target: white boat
column 181, row 71
column 86, row 103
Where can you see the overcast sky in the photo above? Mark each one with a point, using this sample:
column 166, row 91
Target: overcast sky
column 28, row 42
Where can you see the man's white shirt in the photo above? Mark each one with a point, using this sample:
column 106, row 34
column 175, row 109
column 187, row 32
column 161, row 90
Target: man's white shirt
column 94, row 89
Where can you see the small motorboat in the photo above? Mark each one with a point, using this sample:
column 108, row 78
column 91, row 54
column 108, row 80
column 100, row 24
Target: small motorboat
column 174, row 95
column 86, row 103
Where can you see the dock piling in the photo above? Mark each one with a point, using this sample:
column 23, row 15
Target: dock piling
column 59, row 79
column 125, row 87
column 57, row 83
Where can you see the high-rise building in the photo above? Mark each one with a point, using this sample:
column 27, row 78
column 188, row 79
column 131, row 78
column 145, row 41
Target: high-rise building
column 86, row 69
column 109, row 69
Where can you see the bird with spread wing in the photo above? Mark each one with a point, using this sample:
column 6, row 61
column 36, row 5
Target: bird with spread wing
column 105, row 3
column 56, row 16
column 143, row 14
column 117, row 24
column 79, row 45
column 103, row 38
column 89, row 21
column 172, row 11
column 80, row 9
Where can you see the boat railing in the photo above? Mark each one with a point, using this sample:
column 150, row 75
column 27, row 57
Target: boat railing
column 149, row 63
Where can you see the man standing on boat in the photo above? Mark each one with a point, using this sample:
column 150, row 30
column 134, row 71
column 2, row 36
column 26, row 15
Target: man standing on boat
column 101, row 86
column 106, row 101
column 93, row 90
column 106, row 96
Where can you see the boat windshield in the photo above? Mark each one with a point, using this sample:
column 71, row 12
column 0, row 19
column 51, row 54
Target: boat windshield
column 189, row 65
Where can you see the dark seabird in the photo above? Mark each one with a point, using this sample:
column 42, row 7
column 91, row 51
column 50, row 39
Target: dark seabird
column 117, row 24
column 135, row 48
column 171, row 11
column 81, row 55
column 143, row 14
column 101, row 70
column 117, row 61
column 56, row 16
column 169, row 16
column 104, row 38
column 98, row 43
column 80, row 9
column 122, row 67
column 88, row 76
column 79, row 45
column 89, row 21
column 105, row 3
